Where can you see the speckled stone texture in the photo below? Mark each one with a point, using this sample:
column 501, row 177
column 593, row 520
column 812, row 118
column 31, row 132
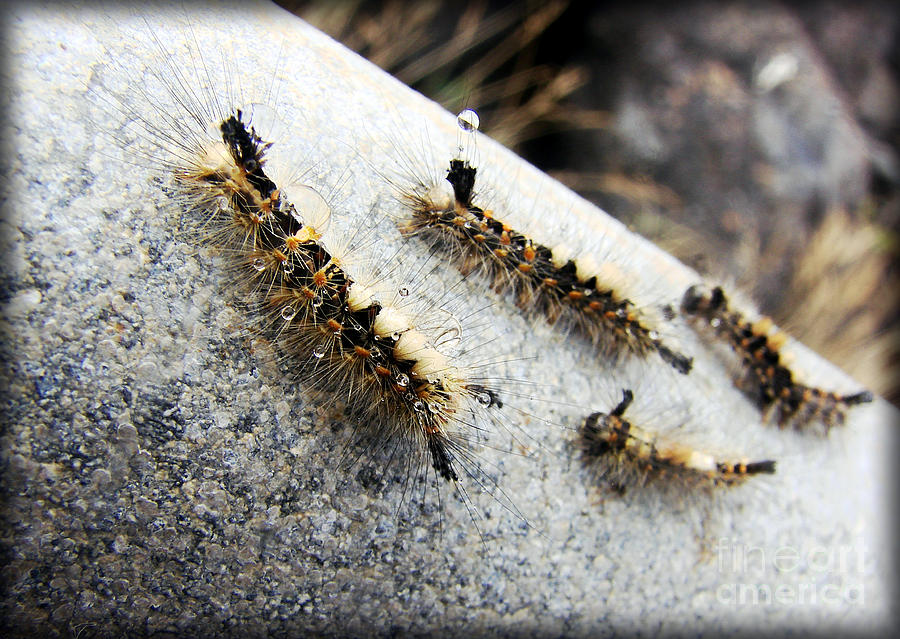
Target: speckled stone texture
column 164, row 474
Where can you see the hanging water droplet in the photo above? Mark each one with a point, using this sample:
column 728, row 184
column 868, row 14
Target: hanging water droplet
column 404, row 292
column 319, row 351
column 468, row 120
column 259, row 264
column 485, row 398
column 653, row 335
column 402, row 379
column 222, row 203
column 288, row 267
column 450, row 337
column 288, row 313
column 715, row 322
column 419, row 406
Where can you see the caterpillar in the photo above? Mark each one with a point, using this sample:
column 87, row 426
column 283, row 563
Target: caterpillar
column 627, row 454
column 341, row 328
column 581, row 291
column 336, row 327
column 763, row 374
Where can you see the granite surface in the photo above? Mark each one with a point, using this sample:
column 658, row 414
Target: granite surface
column 163, row 473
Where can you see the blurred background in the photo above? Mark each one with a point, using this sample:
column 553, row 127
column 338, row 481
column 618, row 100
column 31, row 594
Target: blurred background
column 755, row 141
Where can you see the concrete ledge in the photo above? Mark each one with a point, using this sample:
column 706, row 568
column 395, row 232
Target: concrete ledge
column 161, row 474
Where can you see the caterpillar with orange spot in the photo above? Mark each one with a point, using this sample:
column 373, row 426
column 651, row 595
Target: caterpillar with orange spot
column 581, row 291
column 625, row 455
column 762, row 373
column 342, row 329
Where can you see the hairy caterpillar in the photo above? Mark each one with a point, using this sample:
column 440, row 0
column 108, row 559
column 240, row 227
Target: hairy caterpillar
column 334, row 326
column 554, row 282
column 630, row 455
column 337, row 323
column 763, row 374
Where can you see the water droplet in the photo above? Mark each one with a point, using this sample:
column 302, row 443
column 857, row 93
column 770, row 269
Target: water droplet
column 319, row 351
column 222, row 203
column 402, row 379
column 419, row 406
column 404, row 292
column 310, row 208
column 468, row 120
column 485, row 398
column 288, row 267
column 318, row 300
column 259, row 264
column 653, row 335
column 395, row 335
column 450, row 336
column 715, row 322
column 288, row 313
